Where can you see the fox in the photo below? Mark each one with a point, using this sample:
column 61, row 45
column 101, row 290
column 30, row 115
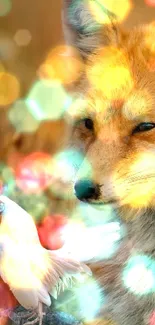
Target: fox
column 113, row 124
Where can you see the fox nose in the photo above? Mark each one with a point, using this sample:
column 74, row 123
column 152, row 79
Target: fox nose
column 86, row 189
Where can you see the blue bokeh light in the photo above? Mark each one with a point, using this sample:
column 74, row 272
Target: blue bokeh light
column 139, row 275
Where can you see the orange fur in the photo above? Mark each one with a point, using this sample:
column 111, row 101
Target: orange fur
column 121, row 95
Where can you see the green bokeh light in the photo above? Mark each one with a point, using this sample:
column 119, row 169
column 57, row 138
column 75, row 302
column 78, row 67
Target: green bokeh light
column 5, row 7
column 70, row 161
column 7, row 178
column 90, row 299
column 21, row 118
column 47, row 100
column 84, row 300
column 139, row 275
column 37, row 205
column 95, row 215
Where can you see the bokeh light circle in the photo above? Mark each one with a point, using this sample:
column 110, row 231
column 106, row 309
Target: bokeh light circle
column 65, row 166
column 93, row 214
column 150, row 3
column 33, row 174
column 7, row 180
column 8, row 48
column 63, row 64
column 47, row 100
column 21, row 118
column 37, row 205
column 66, row 163
column 7, row 302
column 9, row 88
column 90, row 298
column 139, row 275
column 49, row 231
column 5, row 7
column 111, row 75
column 119, row 8
column 22, row 37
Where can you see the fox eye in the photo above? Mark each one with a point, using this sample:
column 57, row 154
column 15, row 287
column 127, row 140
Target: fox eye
column 88, row 123
column 143, row 127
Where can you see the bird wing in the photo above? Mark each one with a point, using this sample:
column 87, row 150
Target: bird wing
column 16, row 272
column 30, row 270
column 53, row 271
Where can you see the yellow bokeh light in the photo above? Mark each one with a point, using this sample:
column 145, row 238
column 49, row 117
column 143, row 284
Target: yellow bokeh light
column 144, row 162
column 143, row 190
column 9, row 88
column 63, row 64
column 135, row 185
column 140, row 196
column 120, row 8
column 111, row 74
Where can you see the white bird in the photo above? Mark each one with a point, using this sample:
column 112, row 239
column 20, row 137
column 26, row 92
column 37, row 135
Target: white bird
column 31, row 271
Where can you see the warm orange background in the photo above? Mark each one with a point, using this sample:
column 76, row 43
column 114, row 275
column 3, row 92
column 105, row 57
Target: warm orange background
column 43, row 20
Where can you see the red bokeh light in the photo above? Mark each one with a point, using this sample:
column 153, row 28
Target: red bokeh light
column 150, row 3
column 7, row 301
column 33, row 173
column 49, row 231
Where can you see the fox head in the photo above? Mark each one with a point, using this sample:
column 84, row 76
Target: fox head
column 114, row 111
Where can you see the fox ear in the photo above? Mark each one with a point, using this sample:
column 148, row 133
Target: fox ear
column 84, row 29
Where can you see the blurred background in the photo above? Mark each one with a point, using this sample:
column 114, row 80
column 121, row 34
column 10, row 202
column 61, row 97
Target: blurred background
column 32, row 129
column 42, row 22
